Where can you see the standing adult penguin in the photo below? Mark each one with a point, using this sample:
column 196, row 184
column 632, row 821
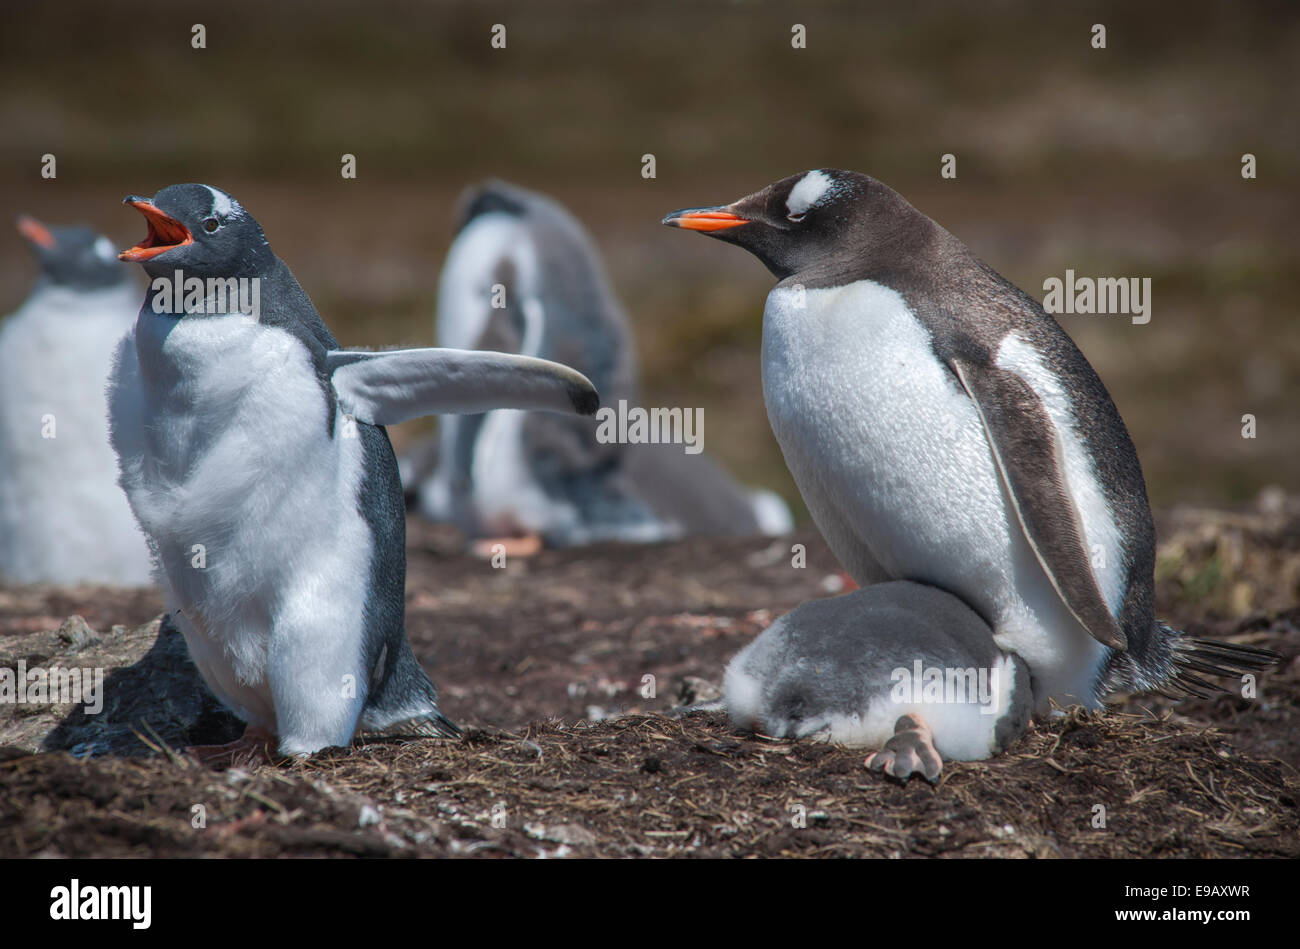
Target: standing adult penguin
column 943, row 428
column 63, row 518
column 254, row 454
column 523, row 276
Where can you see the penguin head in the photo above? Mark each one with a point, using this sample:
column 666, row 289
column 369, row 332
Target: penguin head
column 199, row 230
column 74, row 257
column 804, row 220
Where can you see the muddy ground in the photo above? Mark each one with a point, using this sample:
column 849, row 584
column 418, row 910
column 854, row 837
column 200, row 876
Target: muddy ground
column 544, row 663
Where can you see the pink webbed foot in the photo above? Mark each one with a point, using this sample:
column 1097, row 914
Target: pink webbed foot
column 910, row 751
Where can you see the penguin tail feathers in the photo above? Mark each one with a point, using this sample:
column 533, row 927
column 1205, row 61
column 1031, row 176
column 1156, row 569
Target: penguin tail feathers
column 1175, row 665
column 430, row 724
column 433, row 725
column 1193, row 659
column 406, row 702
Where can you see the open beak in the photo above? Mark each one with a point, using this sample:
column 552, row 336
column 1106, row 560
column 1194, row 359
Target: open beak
column 36, row 232
column 705, row 219
column 165, row 232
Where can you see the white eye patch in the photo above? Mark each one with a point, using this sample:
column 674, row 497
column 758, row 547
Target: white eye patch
column 223, row 205
column 104, row 249
column 807, row 192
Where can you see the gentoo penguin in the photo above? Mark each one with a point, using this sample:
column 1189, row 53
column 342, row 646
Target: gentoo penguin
column 943, row 428
column 254, row 454
column 63, row 518
column 523, row 276
column 902, row 667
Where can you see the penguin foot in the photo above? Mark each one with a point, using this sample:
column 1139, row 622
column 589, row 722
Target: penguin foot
column 910, row 751
column 526, row 546
column 255, row 747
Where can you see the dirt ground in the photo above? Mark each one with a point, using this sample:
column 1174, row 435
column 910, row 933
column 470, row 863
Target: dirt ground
column 545, row 664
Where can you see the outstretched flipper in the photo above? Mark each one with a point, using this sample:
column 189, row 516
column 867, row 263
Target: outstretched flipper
column 385, row 388
column 1027, row 448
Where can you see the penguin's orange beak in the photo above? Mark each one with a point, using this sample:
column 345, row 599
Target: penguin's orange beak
column 165, row 232
column 36, row 232
column 704, row 219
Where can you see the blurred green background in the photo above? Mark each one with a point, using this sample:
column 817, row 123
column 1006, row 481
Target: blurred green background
column 1117, row 162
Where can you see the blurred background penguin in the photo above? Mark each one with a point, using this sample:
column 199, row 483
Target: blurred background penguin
column 63, row 518
column 522, row 276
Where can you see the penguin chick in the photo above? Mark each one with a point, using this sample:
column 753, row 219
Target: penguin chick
column 254, row 454
column 901, row 667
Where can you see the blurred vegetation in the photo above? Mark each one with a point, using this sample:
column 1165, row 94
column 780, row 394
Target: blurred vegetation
column 1123, row 162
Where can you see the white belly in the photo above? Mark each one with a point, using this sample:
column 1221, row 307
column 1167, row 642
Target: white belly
column 252, row 507
column 893, row 463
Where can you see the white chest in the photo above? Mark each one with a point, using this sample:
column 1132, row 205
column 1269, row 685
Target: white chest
column 869, row 420
column 251, row 503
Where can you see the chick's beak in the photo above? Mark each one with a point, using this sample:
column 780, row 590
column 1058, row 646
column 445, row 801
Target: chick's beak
column 165, row 232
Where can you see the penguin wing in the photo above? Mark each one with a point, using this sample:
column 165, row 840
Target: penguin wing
column 1029, row 455
column 389, row 387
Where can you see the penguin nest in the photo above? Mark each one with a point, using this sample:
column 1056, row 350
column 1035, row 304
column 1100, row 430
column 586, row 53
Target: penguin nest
column 578, row 763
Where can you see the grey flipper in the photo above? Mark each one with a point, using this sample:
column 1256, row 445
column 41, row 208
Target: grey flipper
column 1029, row 455
column 385, row 388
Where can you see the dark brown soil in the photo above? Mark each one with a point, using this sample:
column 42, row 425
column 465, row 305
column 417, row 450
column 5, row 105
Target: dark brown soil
column 651, row 786
column 545, row 662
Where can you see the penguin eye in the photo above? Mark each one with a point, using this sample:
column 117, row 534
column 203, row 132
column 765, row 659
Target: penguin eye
column 796, row 218
column 211, row 224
